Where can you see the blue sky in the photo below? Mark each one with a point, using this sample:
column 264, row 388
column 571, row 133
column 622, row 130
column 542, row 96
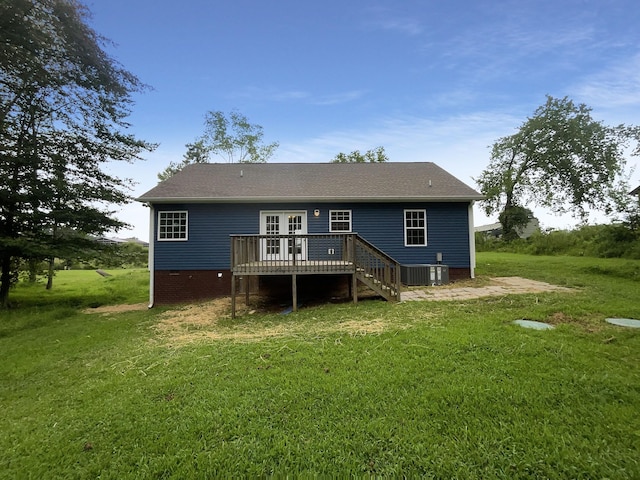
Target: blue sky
column 428, row 80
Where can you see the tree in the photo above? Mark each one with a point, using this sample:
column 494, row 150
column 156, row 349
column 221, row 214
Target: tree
column 230, row 137
column 561, row 159
column 235, row 139
column 375, row 155
column 64, row 105
column 197, row 152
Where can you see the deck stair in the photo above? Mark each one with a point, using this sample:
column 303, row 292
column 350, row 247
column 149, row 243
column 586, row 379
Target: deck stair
column 377, row 270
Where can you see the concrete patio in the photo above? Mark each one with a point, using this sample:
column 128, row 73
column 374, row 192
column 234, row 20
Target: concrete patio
column 500, row 286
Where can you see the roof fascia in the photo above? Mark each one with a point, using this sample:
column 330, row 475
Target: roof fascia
column 308, row 199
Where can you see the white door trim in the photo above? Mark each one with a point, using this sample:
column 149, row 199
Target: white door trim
column 282, row 249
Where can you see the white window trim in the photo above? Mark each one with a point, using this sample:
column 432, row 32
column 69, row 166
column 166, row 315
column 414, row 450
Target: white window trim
column 350, row 221
column 404, row 221
column 186, row 233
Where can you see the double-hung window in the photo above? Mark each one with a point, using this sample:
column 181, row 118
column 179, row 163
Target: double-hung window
column 415, row 228
column 173, row 225
column 339, row 220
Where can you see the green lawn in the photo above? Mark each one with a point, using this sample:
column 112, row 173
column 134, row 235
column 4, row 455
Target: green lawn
column 443, row 390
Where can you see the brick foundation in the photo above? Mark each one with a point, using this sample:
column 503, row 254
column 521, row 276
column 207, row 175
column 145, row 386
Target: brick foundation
column 184, row 286
column 459, row 274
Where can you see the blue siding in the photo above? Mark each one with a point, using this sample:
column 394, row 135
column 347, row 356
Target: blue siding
column 382, row 224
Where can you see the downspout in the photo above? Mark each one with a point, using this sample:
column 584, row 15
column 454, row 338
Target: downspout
column 152, row 229
column 472, row 242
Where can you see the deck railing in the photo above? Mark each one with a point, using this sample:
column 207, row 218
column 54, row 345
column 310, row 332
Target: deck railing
column 288, row 254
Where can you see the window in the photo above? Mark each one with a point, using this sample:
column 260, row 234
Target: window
column 172, row 225
column 339, row 220
column 415, row 228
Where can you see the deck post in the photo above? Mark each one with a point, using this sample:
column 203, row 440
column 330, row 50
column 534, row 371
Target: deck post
column 294, row 292
column 246, row 290
column 354, row 286
column 233, row 296
column 353, row 258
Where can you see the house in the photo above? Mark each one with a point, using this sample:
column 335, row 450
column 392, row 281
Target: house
column 495, row 229
column 213, row 226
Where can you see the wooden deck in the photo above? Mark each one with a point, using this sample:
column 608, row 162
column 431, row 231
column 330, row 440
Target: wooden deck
column 313, row 254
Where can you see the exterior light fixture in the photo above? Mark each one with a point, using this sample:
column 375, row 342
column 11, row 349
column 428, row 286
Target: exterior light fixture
column 316, row 213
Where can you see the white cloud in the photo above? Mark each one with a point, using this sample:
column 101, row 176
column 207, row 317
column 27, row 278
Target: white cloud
column 457, row 143
column 616, row 86
column 389, row 20
column 288, row 95
column 273, row 95
column 339, row 98
column 406, row 26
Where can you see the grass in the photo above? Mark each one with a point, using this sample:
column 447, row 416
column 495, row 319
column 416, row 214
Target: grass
column 445, row 390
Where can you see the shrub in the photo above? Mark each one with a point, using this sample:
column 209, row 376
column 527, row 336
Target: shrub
column 602, row 241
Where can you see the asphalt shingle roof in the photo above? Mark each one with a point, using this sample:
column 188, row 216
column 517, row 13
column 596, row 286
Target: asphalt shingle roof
column 215, row 182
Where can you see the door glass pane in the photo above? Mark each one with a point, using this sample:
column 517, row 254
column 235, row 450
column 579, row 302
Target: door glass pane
column 273, row 228
column 273, row 224
column 295, row 225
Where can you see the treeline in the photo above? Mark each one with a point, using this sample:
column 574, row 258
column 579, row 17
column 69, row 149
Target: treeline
column 120, row 255
column 603, row 241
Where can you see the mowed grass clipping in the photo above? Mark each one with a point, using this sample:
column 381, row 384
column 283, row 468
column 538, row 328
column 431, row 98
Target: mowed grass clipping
column 438, row 390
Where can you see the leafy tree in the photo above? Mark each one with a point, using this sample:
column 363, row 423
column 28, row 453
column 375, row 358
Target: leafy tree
column 631, row 217
column 230, row 137
column 197, row 152
column 120, row 255
column 374, row 155
column 64, row 105
column 516, row 216
column 235, row 139
column 560, row 158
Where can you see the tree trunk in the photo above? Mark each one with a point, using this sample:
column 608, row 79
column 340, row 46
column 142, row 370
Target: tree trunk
column 508, row 229
column 50, row 274
column 5, row 280
column 33, row 270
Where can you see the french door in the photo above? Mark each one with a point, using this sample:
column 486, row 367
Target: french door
column 289, row 247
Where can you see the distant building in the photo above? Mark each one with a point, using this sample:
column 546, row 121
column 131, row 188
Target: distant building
column 495, row 229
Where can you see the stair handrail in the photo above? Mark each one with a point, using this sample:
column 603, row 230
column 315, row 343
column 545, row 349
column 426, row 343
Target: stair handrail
column 389, row 278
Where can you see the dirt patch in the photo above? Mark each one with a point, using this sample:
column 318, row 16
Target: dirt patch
column 210, row 321
column 109, row 309
column 590, row 324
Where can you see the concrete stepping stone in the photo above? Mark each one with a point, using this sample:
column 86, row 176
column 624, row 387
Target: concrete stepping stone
column 623, row 322
column 533, row 324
